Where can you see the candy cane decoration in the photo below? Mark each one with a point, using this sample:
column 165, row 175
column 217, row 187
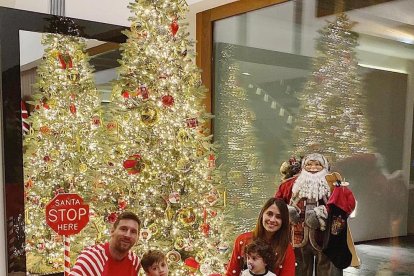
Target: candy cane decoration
column 25, row 115
column 67, row 257
column 11, row 238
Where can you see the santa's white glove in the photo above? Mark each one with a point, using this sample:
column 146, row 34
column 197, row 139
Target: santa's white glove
column 293, row 214
column 316, row 218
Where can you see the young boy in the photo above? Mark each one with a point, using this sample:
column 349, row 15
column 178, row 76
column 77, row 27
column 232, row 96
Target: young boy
column 259, row 255
column 154, row 263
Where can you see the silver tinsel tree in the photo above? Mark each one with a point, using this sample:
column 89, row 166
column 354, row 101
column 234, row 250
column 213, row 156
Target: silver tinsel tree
column 239, row 154
column 331, row 116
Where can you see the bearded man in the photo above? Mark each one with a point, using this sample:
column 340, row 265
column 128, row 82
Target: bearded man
column 114, row 257
column 307, row 195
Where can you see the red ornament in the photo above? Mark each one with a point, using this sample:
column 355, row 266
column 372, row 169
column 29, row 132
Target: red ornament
column 112, row 126
column 96, row 120
column 143, row 92
column 65, row 60
column 44, row 104
column 211, row 161
column 192, row 122
column 28, row 184
column 122, row 204
column 192, row 264
column 72, row 108
column 112, row 217
column 46, row 158
column 134, row 164
column 205, row 228
column 167, row 100
column 126, row 94
column 174, row 27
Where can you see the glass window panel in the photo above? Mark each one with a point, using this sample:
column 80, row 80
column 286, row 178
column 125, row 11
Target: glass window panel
column 264, row 63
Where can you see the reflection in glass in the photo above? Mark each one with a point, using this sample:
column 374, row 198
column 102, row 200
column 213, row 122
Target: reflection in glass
column 238, row 142
column 279, row 66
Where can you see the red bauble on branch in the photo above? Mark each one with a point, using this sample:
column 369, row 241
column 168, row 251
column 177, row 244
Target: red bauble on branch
column 125, row 94
column 192, row 122
column 174, row 27
column 192, row 264
column 72, row 108
column 112, row 217
column 134, row 164
column 143, row 92
column 167, row 100
column 122, row 203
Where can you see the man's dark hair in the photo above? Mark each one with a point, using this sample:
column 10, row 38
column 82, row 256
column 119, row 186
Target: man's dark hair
column 263, row 249
column 126, row 215
column 151, row 257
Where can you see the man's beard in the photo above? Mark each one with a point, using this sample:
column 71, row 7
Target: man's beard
column 122, row 247
column 311, row 185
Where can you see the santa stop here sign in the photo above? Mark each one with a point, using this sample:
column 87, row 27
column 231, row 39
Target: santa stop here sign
column 66, row 214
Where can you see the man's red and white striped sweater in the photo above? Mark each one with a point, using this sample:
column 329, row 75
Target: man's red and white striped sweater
column 97, row 261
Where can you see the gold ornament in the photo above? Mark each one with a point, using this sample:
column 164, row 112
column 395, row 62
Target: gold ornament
column 83, row 168
column 173, row 256
column 179, row 243
column 149, row 115
column 169, row 213
column 182, row 135
column 54, row 153
column 73, row 75
column 153, row 228
column 45, row 130
column 145, row 234
column 200, row 150
column 187, row 216
column 54, row 54
column 79, row 55
column 184, row 165
column 112, row 127
column 212, row 197
column 200, row 256
column 51, row 103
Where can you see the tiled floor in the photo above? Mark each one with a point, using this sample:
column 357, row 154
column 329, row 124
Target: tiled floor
column 386, row 257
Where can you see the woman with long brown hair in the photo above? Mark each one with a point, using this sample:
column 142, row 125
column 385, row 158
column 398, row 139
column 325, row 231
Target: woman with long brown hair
column 272, row 227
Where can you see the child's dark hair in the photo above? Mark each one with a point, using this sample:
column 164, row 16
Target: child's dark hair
column 151, row 257
column 263, row 249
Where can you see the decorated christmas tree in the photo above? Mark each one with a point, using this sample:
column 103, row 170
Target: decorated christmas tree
column 61, row 148
column 238, row 146
column 331, row 115
column 158, row 152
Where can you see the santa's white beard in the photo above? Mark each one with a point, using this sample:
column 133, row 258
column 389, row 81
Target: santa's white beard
column 311, row 185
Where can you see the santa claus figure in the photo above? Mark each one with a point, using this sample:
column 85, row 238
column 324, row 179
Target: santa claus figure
column 307, row 194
